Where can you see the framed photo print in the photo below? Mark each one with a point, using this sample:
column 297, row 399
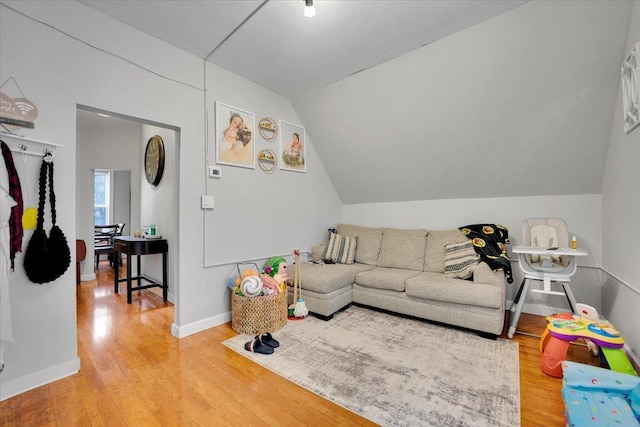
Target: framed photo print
column 235, row 136
column 292, row 147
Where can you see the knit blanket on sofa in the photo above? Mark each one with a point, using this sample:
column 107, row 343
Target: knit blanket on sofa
column 489, row 242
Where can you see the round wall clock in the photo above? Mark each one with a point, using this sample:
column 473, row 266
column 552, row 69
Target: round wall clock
column 154, row 160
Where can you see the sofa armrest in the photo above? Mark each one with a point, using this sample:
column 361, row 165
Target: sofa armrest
column 485, row 275
column 317, row 251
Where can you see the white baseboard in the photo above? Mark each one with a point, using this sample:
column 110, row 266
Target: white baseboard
column 540, row 310
column 87, row 277
column 33, row 380
column 632, row 357
column 200, row 325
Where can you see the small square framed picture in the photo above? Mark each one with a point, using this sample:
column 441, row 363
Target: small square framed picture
column 292, row 147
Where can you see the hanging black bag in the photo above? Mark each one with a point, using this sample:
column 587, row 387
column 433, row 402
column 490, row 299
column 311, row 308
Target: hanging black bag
column 46, row 258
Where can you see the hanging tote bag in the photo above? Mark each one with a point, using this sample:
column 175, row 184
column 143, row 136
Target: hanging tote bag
column 46, row 258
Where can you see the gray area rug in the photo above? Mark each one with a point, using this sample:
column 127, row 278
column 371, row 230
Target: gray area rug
column 397, row 371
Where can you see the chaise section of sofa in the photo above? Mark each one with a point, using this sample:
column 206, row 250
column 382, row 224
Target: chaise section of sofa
column 402, row 271
column 326, row 288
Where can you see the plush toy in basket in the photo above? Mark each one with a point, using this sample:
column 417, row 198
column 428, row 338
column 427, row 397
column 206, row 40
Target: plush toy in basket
column 245, row 274
column 259, row 308
column 275, row 275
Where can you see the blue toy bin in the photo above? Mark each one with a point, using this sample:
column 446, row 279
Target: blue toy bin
column 599, row 397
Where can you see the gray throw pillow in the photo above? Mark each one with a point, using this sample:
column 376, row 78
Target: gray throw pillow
column 340, row 249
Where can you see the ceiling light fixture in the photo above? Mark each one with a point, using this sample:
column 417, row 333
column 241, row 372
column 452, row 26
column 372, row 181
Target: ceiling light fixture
column 309, row 9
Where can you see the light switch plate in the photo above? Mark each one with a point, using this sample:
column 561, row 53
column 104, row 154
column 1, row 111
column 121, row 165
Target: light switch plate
column 207, row 202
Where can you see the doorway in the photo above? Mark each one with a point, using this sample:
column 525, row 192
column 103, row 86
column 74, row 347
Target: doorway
column 113, row 143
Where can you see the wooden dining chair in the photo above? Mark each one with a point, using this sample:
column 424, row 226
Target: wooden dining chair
column 119, row 232
column 103, row 242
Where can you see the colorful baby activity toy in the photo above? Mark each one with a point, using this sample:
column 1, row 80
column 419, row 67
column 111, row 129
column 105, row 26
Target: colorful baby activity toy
column 588, row 325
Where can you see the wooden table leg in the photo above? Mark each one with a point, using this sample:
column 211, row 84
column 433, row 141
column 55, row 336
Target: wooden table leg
column 115, row 279
column 139, row 270
column 165, row 284
column 129, row 299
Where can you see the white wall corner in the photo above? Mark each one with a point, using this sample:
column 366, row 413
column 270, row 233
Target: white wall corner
column 87, row 277
column 199, row 326
column 633, row 358
column 36, row 379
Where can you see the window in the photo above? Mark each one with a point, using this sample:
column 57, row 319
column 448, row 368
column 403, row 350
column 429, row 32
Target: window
column 101, row 197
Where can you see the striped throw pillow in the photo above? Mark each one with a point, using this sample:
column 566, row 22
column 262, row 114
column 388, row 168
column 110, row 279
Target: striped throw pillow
column 460, row 259
column 340, row 249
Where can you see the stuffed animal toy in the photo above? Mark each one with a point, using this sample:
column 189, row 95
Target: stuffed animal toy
column 275, row 274
column 239, row 279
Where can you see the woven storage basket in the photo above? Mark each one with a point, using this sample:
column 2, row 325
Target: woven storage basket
column 254, row 315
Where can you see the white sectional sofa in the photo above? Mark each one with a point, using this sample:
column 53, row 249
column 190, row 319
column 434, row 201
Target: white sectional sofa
column 402, row 271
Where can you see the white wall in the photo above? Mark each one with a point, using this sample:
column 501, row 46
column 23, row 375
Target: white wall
column 58, row 72
column 620, row 219
column 99, row 147
column 159, row 206
column 43, row 340
column 256, row 215
column 582, row 213
column 268, row 207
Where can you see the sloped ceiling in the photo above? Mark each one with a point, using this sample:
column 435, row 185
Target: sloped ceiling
column 273, row 44
column 411, row 100
column 518, row 105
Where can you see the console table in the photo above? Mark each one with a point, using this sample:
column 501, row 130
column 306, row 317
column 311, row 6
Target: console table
column 138, row 246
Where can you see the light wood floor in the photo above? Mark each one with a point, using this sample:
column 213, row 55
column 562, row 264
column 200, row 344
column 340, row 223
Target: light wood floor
column 135, row 373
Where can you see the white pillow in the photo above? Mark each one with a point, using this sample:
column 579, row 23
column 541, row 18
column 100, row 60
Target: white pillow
column 460, row 259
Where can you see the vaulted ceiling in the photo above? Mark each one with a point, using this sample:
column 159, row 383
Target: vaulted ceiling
column 421, row 100
column 273, row 44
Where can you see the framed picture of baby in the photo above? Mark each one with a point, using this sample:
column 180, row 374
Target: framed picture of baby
column 292, row 147
column 234, row 136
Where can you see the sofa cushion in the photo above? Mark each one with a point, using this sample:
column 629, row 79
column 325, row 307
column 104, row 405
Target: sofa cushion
column 403, row 249
column 460, row 260
column 369, row 240
column 385, row 278
column 434, row 286
column 325, row 278
column 485, row 275
column 340, row 249
column 434, row 254
column 317, row 252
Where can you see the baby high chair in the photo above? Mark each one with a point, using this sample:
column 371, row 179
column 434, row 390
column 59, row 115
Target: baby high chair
column 545, row 256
